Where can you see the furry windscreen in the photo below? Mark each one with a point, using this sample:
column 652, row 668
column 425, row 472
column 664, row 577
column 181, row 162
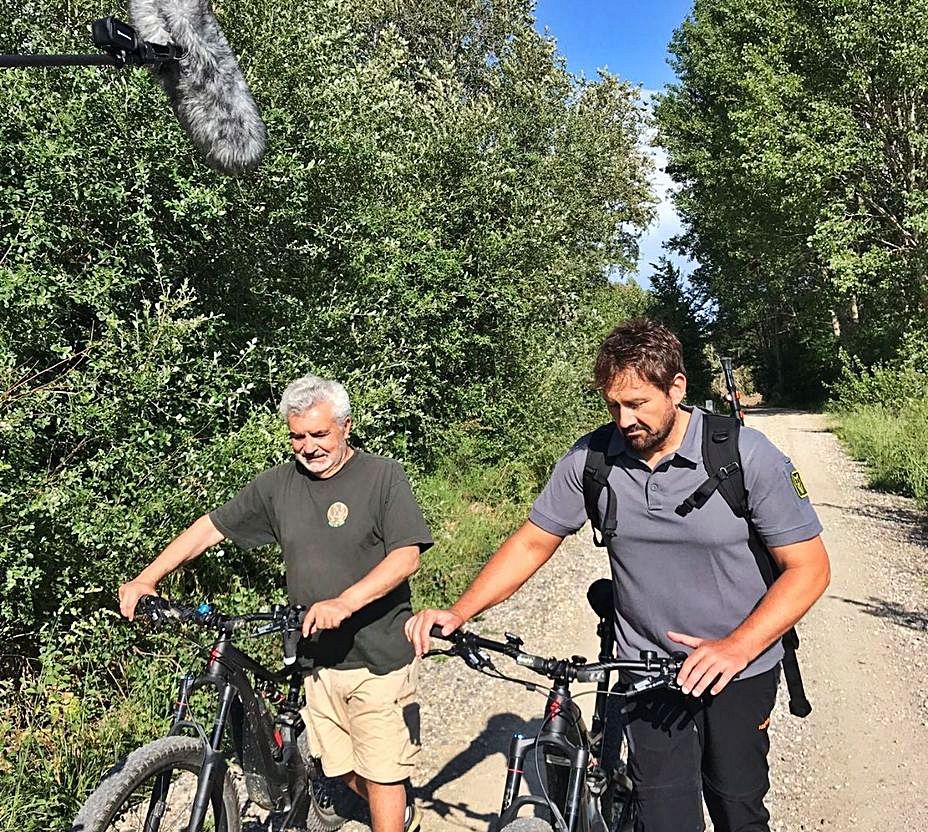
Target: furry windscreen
column 206, row 88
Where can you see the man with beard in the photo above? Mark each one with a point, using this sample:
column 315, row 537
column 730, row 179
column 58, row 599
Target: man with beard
column 351, row 534
column 681, row 580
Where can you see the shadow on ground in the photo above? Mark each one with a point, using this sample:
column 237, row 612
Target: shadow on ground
column 890, row 611
column 910, row 521
column 492, row 740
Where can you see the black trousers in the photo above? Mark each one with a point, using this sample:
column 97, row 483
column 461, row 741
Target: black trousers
column 682, row 750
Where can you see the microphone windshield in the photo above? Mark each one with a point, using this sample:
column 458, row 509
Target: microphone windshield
column 206, row 87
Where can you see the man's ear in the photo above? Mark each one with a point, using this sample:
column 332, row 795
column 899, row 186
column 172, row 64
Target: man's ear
column 677, row 391
column 347, row 426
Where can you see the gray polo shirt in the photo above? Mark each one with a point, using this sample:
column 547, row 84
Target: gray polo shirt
column 693, row 574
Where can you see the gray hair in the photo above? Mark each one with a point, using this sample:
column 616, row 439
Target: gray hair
column 308, row 391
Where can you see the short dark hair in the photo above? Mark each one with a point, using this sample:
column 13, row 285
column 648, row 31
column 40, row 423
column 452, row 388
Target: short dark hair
column 649, row 349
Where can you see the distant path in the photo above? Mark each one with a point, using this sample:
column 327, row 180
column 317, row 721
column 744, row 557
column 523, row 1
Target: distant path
column 859, row 762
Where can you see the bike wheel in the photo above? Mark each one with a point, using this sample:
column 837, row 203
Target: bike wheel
column 126, row 796
column 527, row 825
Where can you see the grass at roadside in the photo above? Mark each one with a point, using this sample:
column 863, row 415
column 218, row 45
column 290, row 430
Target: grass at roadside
column 894, row 445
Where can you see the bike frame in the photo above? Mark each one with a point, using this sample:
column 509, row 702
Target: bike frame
column 281, row 776
column 566, row 739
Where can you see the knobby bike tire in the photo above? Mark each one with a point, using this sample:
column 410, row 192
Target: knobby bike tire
column 102, row 810
column 527, row 824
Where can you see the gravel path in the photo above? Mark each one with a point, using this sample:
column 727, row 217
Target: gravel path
column 856, row 763
column 859, row 761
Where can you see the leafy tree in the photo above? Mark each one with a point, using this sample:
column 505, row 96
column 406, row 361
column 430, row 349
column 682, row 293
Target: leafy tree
column 797, row 134
column 678, row 307
column 439, row 207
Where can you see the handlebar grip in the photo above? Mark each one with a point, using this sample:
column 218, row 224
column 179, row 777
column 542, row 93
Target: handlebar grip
column 435, row 632
column 291, row 642
column 157, row 609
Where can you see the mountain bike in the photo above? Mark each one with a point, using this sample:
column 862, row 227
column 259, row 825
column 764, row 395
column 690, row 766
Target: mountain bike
column 585, row 787
column 182, row 781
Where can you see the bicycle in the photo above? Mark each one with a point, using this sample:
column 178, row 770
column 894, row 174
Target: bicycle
column 583, row 791
column 182, row 783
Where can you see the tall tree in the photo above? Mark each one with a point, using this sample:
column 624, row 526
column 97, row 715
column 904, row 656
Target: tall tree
column 797, row 133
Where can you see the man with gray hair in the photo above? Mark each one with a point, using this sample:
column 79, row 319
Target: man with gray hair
column 351, row 535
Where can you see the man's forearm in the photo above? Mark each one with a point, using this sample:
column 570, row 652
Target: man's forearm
column 520, row 557
column 798, row 587
column 189, row 544
column 386, row 576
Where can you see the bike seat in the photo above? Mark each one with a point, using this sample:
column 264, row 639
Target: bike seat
column 599, row 595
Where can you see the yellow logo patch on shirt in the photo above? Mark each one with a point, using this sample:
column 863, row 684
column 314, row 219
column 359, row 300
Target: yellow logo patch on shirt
column 337, row 515
column 798, row 485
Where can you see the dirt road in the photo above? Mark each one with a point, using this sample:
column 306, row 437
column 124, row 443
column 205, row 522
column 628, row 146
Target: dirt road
column 858, row 762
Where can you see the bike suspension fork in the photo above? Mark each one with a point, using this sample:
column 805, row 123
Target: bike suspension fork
column 518, row 748
column 575, row 787
column 214, row 765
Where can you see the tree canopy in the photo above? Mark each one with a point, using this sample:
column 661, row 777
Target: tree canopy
column 797, row 134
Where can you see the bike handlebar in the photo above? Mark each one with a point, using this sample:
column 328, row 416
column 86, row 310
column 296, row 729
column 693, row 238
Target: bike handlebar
column 281, row 619
column 660, row 670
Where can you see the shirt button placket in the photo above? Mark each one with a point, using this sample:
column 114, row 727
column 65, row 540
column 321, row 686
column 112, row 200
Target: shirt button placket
column 655, row 503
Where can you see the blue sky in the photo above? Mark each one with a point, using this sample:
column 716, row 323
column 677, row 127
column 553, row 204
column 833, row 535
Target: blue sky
column 630, row 39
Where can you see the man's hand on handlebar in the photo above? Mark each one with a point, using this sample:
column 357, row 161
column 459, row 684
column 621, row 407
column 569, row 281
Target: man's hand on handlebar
column 129, row 594
column 325, row 615
column 418, row 627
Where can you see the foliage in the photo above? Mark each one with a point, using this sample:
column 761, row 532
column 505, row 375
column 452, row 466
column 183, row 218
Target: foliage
column 428, row 226
column 433, row 224
column 680, row 309
column 893, row 443
column 882, row 416
column 797, row 134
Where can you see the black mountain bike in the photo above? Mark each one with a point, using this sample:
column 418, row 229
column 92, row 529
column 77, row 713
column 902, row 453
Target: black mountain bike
column 182, row 783
column 582, row 776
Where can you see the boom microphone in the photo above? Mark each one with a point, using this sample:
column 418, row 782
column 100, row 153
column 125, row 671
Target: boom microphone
column 206, row 88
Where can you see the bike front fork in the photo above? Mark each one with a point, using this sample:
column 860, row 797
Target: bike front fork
column 518, row 749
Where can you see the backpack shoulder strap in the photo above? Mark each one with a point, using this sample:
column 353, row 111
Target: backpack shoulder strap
column 720, row 436
column 595, row 479
column 723, row 463
column 720, row 454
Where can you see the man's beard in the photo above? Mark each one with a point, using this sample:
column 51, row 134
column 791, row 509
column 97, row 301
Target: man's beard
column 320, row 465
column 651, row 439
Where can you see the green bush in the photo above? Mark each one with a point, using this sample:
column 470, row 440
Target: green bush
column 882, row 416
column 894, row 445
column 433, row 224
column 429, row 226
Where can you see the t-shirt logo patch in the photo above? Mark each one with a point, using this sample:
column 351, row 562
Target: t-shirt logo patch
column 798, row 485
column 337, row 515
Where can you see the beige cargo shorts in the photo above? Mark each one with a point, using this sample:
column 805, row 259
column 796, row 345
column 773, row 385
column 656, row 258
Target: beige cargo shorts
column 364, row 722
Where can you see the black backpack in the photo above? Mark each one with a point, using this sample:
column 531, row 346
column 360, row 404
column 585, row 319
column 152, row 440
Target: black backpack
column 723, row 464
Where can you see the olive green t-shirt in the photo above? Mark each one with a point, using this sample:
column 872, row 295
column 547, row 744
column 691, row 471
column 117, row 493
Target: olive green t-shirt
column 332, row 533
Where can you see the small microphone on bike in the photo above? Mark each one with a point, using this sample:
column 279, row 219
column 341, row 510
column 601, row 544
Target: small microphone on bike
column 206, row 87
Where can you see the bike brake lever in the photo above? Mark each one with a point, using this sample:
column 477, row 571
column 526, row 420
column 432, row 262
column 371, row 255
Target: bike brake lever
column 477, row 660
